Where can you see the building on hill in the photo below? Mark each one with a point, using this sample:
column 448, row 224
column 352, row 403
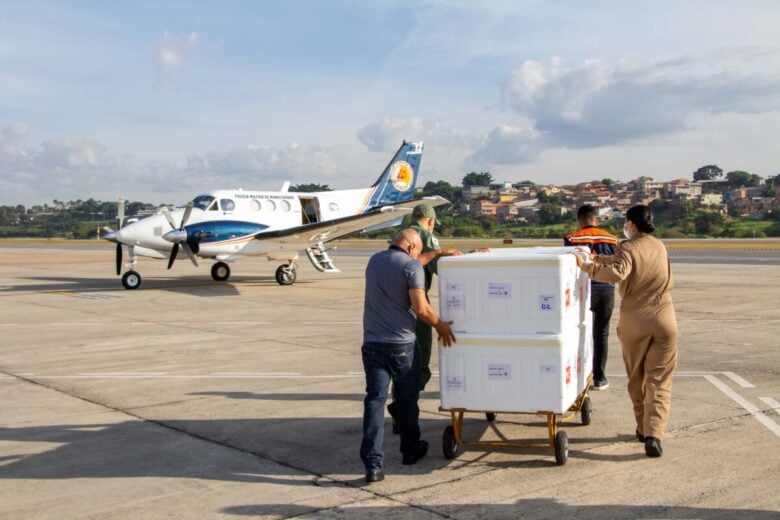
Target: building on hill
column 474, row 192
column 682, row 189
column 508, row 195
column 483, row 208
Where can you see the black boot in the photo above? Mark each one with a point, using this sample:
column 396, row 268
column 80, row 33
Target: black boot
column 653, row 447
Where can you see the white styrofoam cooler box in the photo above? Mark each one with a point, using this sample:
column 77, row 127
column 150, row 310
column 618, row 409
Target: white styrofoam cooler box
column 513, row 291
column 585, row 355
column 512, row 373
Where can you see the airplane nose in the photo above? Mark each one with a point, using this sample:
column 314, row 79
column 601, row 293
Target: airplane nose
column 175, row 236
column 126, row 235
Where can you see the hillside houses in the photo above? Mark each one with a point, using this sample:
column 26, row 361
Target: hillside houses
column 522, row 202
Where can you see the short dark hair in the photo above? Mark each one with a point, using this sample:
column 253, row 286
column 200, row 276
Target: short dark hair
column 585, row 211
column 642, row 218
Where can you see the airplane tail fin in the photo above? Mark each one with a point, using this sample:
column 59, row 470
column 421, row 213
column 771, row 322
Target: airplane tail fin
column 399, row 178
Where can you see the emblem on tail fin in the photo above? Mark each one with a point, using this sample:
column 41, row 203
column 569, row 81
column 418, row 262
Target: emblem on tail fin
column 401, row 176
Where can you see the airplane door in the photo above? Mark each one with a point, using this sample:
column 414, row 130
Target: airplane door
column 310, row 210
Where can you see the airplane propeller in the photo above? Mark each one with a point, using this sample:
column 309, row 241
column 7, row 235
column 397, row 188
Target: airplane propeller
column 120, row 220
column 179, row 236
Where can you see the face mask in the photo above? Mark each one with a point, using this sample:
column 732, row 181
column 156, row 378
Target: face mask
column 625, row 233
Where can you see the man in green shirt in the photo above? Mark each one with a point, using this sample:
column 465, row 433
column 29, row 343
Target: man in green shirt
column 423, row 221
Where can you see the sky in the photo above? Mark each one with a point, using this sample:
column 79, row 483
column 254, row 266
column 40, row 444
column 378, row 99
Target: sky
column 161, row 101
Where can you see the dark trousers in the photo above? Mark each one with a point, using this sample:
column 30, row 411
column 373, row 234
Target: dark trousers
column 602, row 301
column 382, row 363
column 424, row 333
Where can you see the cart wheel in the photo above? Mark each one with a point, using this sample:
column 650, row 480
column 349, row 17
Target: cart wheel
column 449, row 445
column 561, row 448
column 586, row 411
column 490, row 416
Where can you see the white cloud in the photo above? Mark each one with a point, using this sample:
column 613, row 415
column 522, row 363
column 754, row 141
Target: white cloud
column 11, row 138
column 173, row 52
column 75, row 155
column 599, row 104
column 251, row 167
column 386, row 136
column 82, row 168
column 506, row 145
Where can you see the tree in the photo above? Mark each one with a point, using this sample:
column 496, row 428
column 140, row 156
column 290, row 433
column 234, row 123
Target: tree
column 477, row 179
column 442, row 189
column 607, row 182
column 309, row 188
column 550, row 214
column 707, row 223
column 738, row 178
column 707, row 173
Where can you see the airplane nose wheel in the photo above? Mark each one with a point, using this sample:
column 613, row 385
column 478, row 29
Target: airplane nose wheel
column 131, row 280
column 220, row 272
column 286, row 275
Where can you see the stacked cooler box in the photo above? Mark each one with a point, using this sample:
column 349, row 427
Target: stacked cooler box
column 523, row 327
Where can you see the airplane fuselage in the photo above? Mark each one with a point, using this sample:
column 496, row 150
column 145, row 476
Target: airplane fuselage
column 225, row 222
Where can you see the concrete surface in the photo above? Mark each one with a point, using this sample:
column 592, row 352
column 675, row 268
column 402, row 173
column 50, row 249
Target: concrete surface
column 192, row 399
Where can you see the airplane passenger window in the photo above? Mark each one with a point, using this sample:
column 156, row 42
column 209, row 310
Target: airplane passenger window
column 227, row 205
column 333, row 206
column 269, row 205
column 284, row 205
column 256, row 205
column 214, row 206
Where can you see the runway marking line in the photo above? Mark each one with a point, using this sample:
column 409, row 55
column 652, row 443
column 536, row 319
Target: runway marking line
column 760, row 416
column 774, row 405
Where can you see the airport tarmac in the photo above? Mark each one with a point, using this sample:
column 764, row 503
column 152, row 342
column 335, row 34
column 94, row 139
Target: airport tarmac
column 194, row 399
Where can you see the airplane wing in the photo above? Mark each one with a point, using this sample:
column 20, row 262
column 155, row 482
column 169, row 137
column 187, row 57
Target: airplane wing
column 302, row 237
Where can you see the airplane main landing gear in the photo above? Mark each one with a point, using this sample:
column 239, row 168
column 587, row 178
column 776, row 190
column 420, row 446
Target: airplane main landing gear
column 220, row 272
column 286, row 274
column 131, row 280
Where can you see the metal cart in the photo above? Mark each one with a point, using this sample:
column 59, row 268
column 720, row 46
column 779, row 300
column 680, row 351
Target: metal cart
column 452, row 439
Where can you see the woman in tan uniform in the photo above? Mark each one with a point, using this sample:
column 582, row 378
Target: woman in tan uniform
column 647, row 328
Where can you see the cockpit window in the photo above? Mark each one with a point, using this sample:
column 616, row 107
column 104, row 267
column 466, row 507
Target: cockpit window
column 227, row 205
column 202, row 201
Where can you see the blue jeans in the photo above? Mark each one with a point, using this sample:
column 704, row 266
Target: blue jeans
column 382, row 363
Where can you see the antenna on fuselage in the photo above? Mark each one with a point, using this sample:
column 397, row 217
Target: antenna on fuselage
column 285, row 186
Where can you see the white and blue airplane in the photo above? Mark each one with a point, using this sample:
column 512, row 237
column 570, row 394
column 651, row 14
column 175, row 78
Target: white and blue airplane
column 226, row 225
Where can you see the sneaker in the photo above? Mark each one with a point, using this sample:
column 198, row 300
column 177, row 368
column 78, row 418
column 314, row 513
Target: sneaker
column 653, row 447
column 600, row 384
column 392, row 409
column 422, row 450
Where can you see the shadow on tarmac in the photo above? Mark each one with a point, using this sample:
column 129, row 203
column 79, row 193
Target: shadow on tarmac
column 319, row 446
column 293, row 452
column 191, row 285
column 524, row 508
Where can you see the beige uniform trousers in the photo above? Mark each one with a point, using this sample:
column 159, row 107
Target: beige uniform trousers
column 648, row 337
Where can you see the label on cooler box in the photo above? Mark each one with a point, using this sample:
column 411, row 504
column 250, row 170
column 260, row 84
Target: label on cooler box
column 546, row 303
column 453, row 296
column 499, row 371
column 455, row 384
column 500, row 291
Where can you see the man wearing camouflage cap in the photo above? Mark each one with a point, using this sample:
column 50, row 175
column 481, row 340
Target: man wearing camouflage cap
column 423, row 221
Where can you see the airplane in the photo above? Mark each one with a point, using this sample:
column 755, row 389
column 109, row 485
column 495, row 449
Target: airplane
column 227, row 225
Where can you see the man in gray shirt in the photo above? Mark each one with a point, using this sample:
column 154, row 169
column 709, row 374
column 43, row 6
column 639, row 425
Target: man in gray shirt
column 394, row 298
